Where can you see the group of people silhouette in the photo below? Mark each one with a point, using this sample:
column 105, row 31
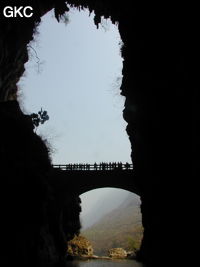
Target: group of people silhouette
column 102, row 166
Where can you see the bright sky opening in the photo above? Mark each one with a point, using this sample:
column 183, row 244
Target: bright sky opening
column 75, row 73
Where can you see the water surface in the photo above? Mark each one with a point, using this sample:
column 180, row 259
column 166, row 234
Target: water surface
column 106, row 263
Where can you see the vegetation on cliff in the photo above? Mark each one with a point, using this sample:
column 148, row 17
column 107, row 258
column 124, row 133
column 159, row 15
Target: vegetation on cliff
column 120, row 228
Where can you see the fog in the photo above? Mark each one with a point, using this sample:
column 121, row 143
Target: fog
column 99, row 202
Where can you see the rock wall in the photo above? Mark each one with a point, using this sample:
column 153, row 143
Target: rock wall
column 37, row 218
column 155, row 75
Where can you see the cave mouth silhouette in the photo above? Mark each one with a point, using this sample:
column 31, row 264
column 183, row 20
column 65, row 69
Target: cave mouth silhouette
column 88, row 108
column 71, row 156
column 155, row 70
column 111, row 218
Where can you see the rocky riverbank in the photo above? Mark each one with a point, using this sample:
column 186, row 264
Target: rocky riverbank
column 79, row 248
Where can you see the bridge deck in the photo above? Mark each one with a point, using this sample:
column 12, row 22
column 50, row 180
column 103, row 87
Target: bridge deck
column 94, row 167
column 81, row 178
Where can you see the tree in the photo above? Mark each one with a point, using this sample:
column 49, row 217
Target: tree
column 39, row 118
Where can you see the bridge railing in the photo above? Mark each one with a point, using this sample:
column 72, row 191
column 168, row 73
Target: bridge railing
column 94, row 167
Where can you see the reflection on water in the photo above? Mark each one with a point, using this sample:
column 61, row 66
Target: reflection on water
column 105, row 263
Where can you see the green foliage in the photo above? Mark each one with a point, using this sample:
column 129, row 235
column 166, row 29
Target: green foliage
column 133, row 244
column 39, row 118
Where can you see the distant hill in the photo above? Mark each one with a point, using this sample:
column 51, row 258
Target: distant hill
column 103, row 206
column 119, row 228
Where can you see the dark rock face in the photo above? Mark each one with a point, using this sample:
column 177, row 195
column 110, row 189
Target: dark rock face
column 155, row 75
column 36, row 219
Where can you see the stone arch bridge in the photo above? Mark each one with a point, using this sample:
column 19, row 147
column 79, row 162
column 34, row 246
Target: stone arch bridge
column 93, row 176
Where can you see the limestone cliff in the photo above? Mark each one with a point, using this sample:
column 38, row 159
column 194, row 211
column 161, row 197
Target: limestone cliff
column 36, row 217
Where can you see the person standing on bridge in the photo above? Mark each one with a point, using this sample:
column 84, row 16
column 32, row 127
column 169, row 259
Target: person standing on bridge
column 110, row 165
column 87, row 166
column 100, row 166
column 127, row 166
column 119, row 164
column 95, row 166
column 103, row 166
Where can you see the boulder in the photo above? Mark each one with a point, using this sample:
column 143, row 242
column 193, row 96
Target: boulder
column 117, row 253
column 80, row 246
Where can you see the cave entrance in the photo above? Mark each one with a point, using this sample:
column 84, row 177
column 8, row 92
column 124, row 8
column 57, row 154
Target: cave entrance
column 75, row 73
column 111, row 218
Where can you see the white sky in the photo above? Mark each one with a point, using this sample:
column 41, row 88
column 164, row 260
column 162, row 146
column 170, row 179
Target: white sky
column 77, row 85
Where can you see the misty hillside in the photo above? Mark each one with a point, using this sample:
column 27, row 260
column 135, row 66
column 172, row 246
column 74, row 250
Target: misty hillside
column 109, row 201
column 119, row 228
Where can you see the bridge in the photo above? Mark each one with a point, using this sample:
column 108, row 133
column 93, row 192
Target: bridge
column 95, row 167
column 81, row 178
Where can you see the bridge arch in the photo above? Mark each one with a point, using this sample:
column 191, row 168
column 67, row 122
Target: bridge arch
column 89, row 180
column 111, row 217
column 116, row 180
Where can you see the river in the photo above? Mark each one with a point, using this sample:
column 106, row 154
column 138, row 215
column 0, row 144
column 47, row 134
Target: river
column 105, row 263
